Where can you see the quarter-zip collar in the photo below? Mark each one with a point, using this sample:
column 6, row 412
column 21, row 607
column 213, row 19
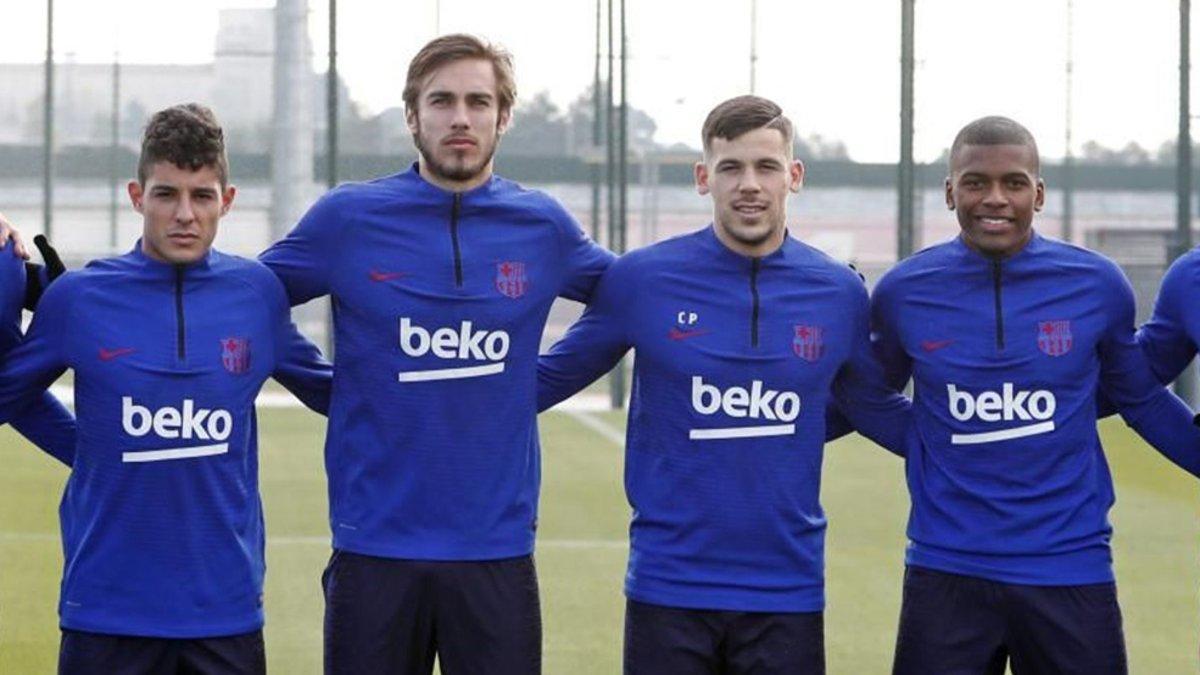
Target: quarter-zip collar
column 787, row 251
column 414, row 178
column 166, row 269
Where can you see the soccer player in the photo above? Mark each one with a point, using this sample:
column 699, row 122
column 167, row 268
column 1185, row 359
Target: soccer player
column 170, row 343
column 1008, row 336
column 441, row 278
column 743, row 335
column 44, row 422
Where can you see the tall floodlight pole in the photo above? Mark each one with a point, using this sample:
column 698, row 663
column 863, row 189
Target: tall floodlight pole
column 114, row 150
column 1068, row 178
column 1183, row 161
column 610, row 123
column 597, row 132
column 331, row 102
column 753, row 45
column 1186, row 385
column 48, row 126
column 623, row 148
column 905, row 179
column 291, row 138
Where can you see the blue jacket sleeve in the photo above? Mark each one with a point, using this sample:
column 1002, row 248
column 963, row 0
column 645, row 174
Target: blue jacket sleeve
column 591, row 347
column 1126, row 378
column 49, row 426
column 1165, row 337
column 299, row 366
column 305, row 258
column 37, row 361
column 585, row 260
column 863, row 396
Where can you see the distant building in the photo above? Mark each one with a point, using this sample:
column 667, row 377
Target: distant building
column 237, row 85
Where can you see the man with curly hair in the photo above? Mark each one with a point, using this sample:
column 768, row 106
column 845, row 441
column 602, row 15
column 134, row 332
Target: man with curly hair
column 170, row 343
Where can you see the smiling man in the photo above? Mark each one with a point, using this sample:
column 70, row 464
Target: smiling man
column 170, row 343
column 441, row 278
column 743, row 335
column 1008, row 335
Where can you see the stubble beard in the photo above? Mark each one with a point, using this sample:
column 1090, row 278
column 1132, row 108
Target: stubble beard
column 444, row 171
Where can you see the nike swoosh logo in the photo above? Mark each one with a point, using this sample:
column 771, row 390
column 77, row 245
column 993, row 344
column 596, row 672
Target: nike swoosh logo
column 934, row 345
column 385, row 276
column 110, row 354
column 676, row 334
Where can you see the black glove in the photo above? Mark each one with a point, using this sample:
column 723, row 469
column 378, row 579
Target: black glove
column 38, row 278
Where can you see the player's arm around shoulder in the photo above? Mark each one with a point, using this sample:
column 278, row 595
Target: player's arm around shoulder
column 305, row 259
column 584, row 261
column 1170, row 337
column 1157, row 415
column 860, row 389
column 596, row 342
column 299, row 365
column 44, row 353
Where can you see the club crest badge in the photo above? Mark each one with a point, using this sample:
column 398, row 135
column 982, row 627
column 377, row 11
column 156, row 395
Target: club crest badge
column 1054, row 337
column 808, row 342
column 510, row 279
column 235, row 355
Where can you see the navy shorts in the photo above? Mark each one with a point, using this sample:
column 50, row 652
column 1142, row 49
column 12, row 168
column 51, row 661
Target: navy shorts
column 958, row 624
column 660, row 640
column 384, row 615
column 82, row 653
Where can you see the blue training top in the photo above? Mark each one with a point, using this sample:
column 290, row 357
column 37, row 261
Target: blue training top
column 161, row 519
column 1010, row 482
column 439, row 302
column 1171, row 336
column 44, row 421
column 736, row 360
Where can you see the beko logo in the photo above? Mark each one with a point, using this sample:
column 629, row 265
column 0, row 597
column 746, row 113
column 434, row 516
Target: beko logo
column 187, row 423
column 755, row 403
column 461, row 344
column 1007, row 405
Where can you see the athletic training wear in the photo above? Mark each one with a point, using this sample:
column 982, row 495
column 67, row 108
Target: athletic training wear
column 736, row 360
column 958, row 624
column 161, row 519
column 1171, row 336
column 660, row 640
column 44, row 421
column 439, row 303
column 384, row 615
column 1009, row 482
column 82, row 653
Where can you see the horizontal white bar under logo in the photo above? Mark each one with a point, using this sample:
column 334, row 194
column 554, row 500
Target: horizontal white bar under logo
column 742, row 432
column 451, row 373
column 175, row 453
column 1003, row 434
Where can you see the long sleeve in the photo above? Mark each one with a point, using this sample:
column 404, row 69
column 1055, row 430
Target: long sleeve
column 1165, row 338
column 49, row 426
column 299, row 366
column 1126, row 378
column 591, row 347
column 35, row 363
column 304, row 260
column 863, row 396
column 585, row 260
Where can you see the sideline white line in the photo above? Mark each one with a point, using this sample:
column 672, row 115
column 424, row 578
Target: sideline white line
column 597, row 425
column 325, row 541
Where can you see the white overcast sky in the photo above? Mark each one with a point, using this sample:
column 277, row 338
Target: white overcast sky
column 832, row 64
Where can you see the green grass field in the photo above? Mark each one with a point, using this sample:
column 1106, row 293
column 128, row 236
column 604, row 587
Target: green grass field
column 581, row 551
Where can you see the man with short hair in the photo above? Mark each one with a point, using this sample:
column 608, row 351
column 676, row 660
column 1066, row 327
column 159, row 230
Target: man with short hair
column 170, row 343
column 743, row 335
column 441, row 279
column 1008, row 336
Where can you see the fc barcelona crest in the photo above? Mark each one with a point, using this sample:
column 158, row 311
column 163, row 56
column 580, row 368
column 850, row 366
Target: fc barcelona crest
column 510, row 278
column 235, row 355
column 1054, row 337
column 808, row 342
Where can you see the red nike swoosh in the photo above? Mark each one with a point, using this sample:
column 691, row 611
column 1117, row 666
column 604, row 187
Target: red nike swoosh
column 934, row 345
column 676, row 334
column 385, row 276
column 110, row 354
